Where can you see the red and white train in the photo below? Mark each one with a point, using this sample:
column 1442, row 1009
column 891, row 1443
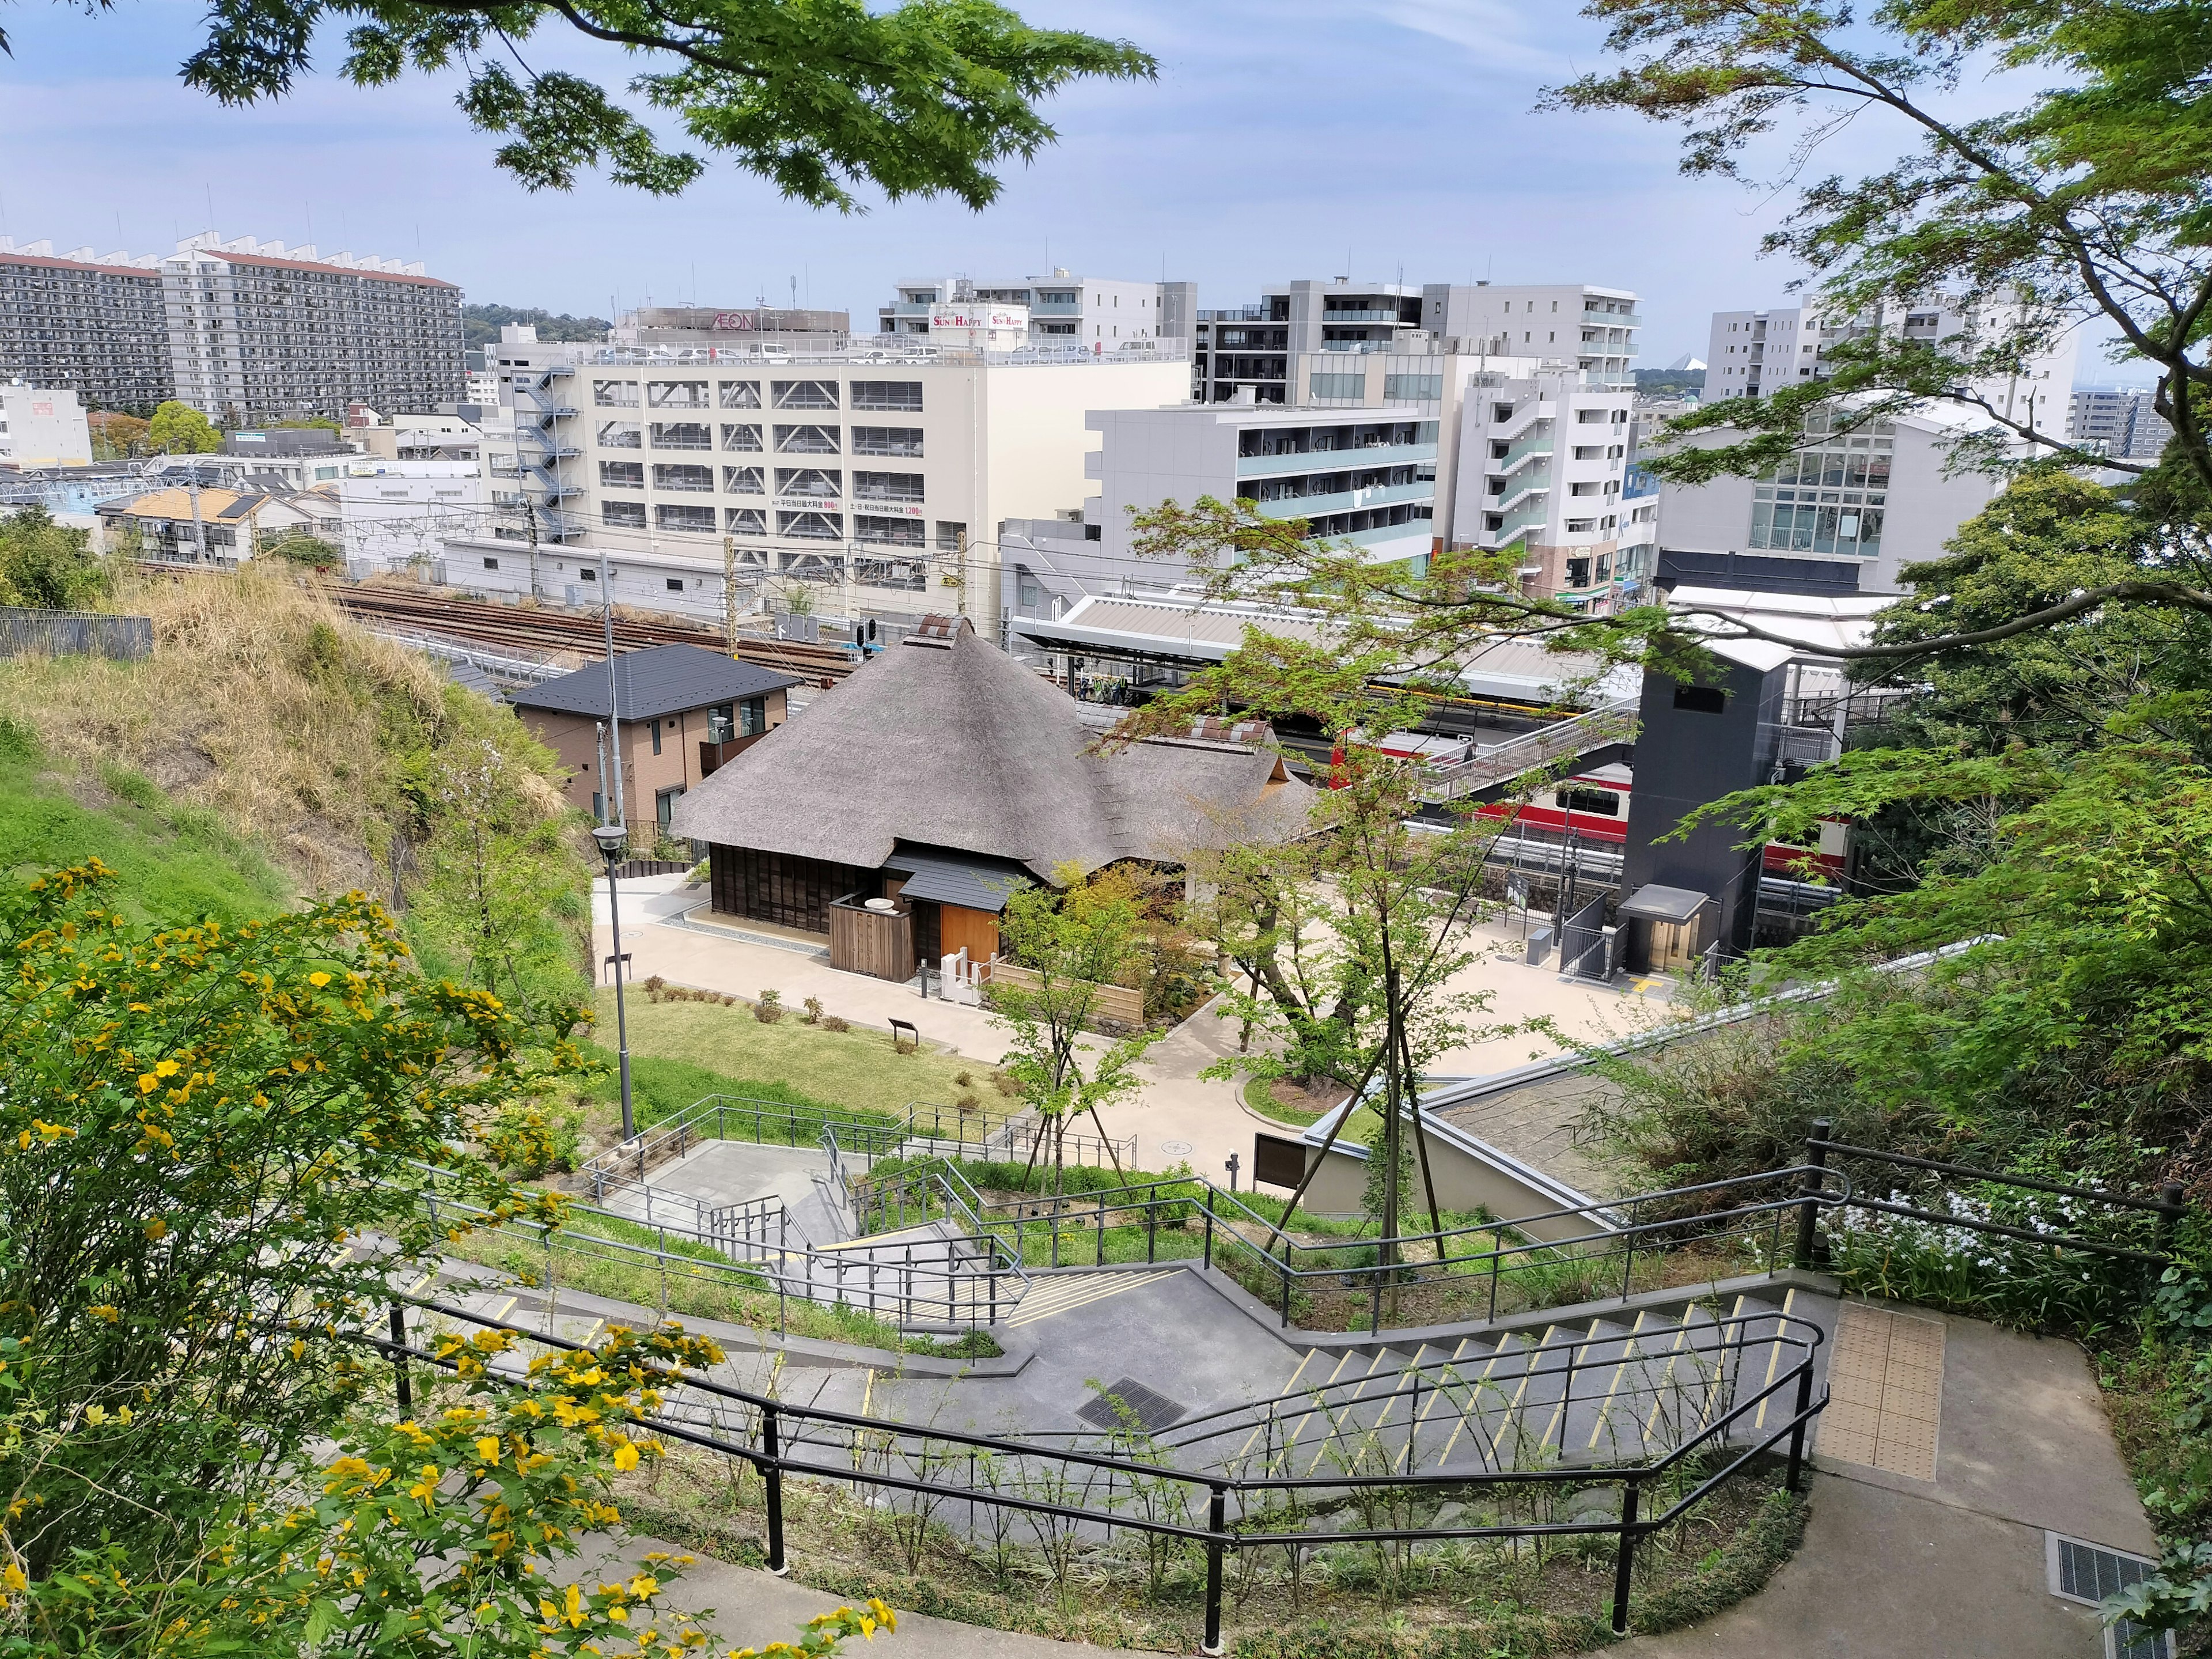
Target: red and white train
column 1594, row 804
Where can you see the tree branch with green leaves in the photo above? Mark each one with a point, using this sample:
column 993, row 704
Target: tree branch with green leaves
column 821, row 98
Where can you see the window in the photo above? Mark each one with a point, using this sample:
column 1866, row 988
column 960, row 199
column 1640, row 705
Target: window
column 1027, row 593
column 742, row 437
column 743, row 481
column 1578, row 572
column 884, row 531
column 621, row 434
column 811, row 526
column 1589, row 451
column 951, row 537
column 805, row 394
column 656, row 730
column 745, row 521
column 490, row 564
column 621, row 475
column 1584, row 489
column 741, row 394
column 683, row 434
column 1604, row 801
column 807, row 440
column 670, row 516
column 809, row 481
column 675, row 394
column 887, row 486
column 1701, row 699
column 615, row 394
column 664, row 800
column 888, row 394
column 675, row 585
column 1338, row 386
column 622, row 515
column 667, row 476
column 1589, row 416
column 902, row 441
column 1411, row 386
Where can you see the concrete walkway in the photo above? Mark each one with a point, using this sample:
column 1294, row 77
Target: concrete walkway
column 1895, row 1565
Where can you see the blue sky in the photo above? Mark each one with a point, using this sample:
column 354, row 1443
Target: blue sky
column 1282, row 137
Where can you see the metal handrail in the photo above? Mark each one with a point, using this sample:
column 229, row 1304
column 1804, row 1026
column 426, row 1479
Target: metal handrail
column 759, row 1441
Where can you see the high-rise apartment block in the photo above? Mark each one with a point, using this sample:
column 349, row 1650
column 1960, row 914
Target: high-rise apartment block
column 1756, row 353
column 242, row 330
column 2119, row 421
column 94, row 323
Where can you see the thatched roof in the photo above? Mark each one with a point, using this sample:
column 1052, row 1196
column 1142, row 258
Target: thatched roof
column 947, row 742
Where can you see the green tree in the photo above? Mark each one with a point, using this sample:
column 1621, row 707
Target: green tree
column 178, row 428
column 819, row 97
column 46, row 565
column 1074, row 943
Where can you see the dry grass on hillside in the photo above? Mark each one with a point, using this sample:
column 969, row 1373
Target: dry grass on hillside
column 261, row 703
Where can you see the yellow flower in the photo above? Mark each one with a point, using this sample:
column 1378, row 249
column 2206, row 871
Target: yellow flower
column 108, row 1312
column 95, row 1415
column 318, row 980
column 147, row 1083
column 488, row 1449
column 157, row 1228
column 167, row 1068
column 625, row 1455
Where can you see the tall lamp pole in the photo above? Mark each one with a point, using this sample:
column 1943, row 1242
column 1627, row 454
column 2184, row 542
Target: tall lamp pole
column 610, row 834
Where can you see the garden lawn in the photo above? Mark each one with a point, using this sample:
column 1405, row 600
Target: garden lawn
column 856, row 1069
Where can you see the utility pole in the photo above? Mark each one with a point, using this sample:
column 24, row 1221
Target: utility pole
column 730, row 593
column 609, row 837
column 530, row 516
column 200, row 528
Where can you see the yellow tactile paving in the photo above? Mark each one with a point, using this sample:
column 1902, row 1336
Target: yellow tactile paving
column 1886, row 1391
column 1072, row 1290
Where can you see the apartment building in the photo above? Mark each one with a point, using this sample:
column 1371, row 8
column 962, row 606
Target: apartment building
column 1843, row 515
column 90, row 324
column 1754, row 353
column 258, row 331
column 242, row 330
column 1249, row 350
column 1594, row 328
column 1256, row 349
column 875, row 482
column 42, row 427
column 1547, row 467
column 2119, row 421
column 1099, row 314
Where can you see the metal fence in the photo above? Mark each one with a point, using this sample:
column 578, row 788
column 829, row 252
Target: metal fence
column 74, row 634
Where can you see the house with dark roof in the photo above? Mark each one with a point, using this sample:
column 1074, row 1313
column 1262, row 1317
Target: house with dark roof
column 685, row 711
column 940, row 775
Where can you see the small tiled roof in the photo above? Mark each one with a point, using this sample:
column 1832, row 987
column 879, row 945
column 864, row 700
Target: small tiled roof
column 663, row 679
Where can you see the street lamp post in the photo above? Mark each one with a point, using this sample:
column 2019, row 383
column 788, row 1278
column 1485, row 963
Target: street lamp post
column 611, row 837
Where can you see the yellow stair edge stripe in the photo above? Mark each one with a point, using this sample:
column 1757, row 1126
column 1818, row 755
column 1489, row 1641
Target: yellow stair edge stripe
column 1513, row 1406
column 1628, row 1356
column 1474, row 1398
column 1094, row 1291
column 1773, row 1362
column 1311, row 1354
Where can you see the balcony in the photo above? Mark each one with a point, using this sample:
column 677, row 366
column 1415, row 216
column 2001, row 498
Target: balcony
column 1057, row 308
column 1537, row 483
column 1362, row 317
column 1237, row 314
column 1349, row 501
column 1533, row 444
column 1332, row 460
column 712, row 756
column 1612, row 318
column 1517, row 525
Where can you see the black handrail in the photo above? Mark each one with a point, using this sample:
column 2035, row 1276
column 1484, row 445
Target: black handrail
column 769, row 1459
column 2167, row 1203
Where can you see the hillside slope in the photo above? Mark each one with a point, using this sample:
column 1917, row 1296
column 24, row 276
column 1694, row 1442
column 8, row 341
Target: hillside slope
column 266, row 721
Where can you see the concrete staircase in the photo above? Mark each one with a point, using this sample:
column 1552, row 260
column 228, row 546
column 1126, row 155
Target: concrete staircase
column 1596, row 1387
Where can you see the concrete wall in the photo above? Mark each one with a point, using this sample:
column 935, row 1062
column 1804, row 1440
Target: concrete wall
column 1468, row 1175
column 43, row 427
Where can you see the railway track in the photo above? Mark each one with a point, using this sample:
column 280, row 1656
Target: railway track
column 543, row 630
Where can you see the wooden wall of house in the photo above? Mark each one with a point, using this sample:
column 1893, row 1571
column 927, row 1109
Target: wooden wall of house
column 778, row 887
column 959, row 928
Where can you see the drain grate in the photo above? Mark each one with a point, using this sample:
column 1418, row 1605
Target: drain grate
column 1152, row 1410
column 2088, row 1573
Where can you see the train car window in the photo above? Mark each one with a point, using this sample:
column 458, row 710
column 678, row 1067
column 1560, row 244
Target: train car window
column 1590, row 800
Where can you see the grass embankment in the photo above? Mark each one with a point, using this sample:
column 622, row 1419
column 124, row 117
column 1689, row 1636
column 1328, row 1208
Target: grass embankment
column 171, row 861
column 1448, row 1600
column 1282, row 1101
column 265, row 725
column 682, row 1050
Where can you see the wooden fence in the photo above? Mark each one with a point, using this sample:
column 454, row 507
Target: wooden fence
column 1115, row 1002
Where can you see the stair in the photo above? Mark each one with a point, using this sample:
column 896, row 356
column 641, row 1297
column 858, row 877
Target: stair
column 1625, row 1386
